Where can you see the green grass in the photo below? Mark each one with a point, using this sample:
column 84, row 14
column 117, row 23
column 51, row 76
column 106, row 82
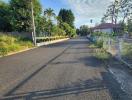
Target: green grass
column 101, row 54
column 9, row 44
column 127, row 50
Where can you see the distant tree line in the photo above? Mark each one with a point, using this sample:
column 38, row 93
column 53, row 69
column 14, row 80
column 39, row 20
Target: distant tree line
column 83, row 30
column 16, row 16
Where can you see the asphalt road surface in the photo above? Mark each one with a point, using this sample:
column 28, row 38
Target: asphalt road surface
column 63, row 71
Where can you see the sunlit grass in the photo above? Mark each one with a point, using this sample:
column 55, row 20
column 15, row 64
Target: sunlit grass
column 101, row 54
column 9, row 44
column 127, row 50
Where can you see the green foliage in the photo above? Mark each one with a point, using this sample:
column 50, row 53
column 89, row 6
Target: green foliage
column 83, row 30
column 130, row 26
column 10, row 43
column 40, row 25
column 16, row 16
column 99, row 43
column 21, row 18
column 67, row 16
column 49, row 13
column 5, row 17
column 3, row 51
column 21, row 14
column 8, row 39
column 101, row 54
column 127, row 50
column 56, row 31
column 71, row 32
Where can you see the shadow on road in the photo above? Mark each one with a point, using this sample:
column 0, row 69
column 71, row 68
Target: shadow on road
column 91, row 61
column 108, row 83
column 114, row 87
column 33, row 74
column 74, row 88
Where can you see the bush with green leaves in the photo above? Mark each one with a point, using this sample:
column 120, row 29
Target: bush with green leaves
column 99, row 43
column 71, row 32
column 102, row 54
column 56, row 31
column 127, row 50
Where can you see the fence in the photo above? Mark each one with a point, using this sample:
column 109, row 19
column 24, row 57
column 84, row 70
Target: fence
column 121, row 48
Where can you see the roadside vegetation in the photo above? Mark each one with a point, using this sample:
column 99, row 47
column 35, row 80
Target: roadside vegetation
column 16, row 16
column 84, row 30
column 126, row 52
column 10, row 44
column 99, row 52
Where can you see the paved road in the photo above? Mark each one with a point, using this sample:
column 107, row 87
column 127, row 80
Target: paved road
column 63, row 71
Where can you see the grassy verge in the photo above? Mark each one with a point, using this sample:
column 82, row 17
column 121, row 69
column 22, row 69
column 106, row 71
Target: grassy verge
column 100, row 53
column 127, row 50
column 9, row 44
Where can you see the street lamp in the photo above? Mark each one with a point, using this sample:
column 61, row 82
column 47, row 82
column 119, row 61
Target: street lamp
column 33, row 25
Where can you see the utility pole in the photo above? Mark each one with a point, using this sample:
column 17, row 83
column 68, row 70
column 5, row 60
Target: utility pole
column 33, row 25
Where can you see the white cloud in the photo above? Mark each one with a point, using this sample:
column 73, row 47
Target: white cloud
column 88, row 9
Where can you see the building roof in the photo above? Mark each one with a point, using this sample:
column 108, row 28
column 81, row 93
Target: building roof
column 106, row 26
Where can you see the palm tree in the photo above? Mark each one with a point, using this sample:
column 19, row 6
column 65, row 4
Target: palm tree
column 49, row 13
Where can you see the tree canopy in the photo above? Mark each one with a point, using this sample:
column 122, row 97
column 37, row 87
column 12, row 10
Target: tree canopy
column 21, row 14
column 67, row 16
column 83, row 30
column 4, row 17
column 118, row 10
column 16, row 15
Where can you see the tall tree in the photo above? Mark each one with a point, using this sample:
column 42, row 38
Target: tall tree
column 83, row 30
column 21, row 14
column 112, row 12
column 119, row 9
column 67, row 16
column 5, row 17
column 49, row 13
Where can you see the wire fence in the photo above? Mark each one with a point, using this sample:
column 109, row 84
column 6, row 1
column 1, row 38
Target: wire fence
column 121, row 48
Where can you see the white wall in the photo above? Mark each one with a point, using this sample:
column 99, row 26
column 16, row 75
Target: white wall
column 109, row 30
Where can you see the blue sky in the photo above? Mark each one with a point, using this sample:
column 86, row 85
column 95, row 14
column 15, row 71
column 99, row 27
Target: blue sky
column 84, row 10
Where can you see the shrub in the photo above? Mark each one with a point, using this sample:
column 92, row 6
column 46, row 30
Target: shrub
column 10, row 43
column 3, row 51
column 102, row 54
column 99, row 43
column 8, row 39
column 14, row 47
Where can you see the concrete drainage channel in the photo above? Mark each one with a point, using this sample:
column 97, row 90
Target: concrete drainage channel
column 123, row 79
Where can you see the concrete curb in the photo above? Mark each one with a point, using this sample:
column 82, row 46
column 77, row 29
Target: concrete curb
column 38, row 45
column 124, row 62
column 18, row 52
column 52, row 42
